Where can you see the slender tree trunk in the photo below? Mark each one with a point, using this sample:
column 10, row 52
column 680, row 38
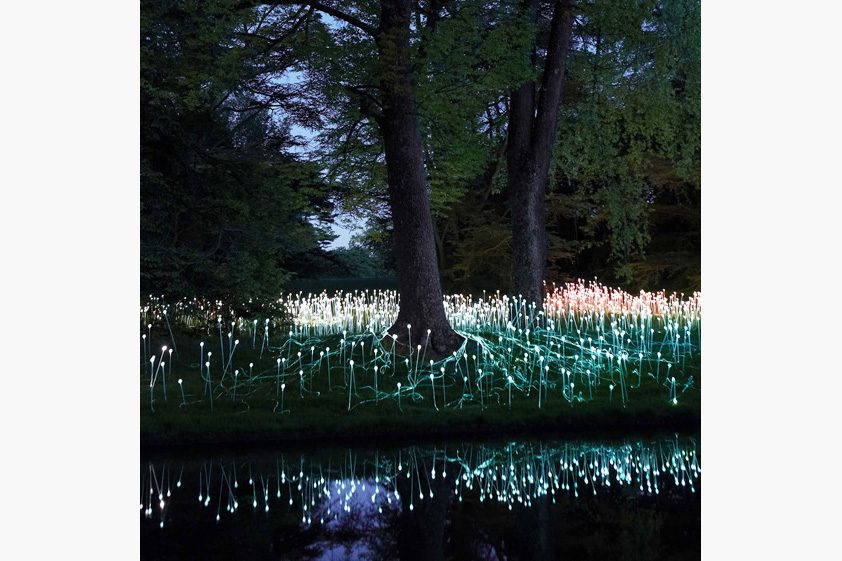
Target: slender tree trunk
column 421, row 302
column 531, row 135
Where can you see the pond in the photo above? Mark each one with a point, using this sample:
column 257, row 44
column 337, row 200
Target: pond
column 625, row 499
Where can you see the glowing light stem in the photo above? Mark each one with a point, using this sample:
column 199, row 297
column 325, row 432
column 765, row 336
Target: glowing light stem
column 622, row 381
column 230, row 356
column 433, row 385
column 283, row 387
column 351, row 384
column 210, row 386
column 426, row 342
column 328, row 369
column 278, row 379
column 376, row 394
column 181, row 387
column 166, row 319
column 145, row 351
column 221, row 347
column 639, row 369
column 265, row 339
column 164, row 375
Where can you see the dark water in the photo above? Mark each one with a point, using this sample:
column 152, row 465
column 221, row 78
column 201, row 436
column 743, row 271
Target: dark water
column 631, row 499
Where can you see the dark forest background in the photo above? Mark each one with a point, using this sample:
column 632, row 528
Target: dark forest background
column 258, row 128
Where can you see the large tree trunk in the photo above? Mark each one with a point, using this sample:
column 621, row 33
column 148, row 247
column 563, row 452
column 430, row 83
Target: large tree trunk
column 532, row 128
column 421, row 303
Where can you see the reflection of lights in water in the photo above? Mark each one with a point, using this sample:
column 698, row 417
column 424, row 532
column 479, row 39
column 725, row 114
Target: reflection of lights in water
column 587, row 337
column 511, row 475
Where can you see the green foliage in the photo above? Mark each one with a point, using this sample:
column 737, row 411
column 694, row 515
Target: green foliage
column 465, row 65
column 633, row 100
column 224, row 202
column 462, row 66
column 227, row 198
column 360, row 262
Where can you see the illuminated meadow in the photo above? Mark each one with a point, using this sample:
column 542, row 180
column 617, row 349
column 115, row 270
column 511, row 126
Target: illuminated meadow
column 589, row 345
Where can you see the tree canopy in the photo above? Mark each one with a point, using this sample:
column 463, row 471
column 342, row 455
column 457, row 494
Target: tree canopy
column 259, row 120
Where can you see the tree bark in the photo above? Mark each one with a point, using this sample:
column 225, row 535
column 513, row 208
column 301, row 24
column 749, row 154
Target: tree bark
column 531, row 135
column 421, row 302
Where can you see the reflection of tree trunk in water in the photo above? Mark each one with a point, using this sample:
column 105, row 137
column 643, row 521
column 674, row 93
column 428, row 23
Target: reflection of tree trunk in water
column 534, row 530
column 421, row 530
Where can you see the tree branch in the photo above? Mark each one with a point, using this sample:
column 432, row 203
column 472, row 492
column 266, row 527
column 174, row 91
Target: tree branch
column 329, row 10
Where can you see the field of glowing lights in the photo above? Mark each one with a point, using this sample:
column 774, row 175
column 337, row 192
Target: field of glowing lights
column 323, row 365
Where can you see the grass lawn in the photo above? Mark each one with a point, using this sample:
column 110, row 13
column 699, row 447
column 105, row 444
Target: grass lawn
column 246, row 408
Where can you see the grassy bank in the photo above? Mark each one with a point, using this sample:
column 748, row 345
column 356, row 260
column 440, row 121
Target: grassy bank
column 251, row 408
column 595, row 361
column 316, row 421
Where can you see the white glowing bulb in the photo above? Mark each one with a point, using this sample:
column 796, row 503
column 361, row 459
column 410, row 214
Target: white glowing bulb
column 179, row 381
